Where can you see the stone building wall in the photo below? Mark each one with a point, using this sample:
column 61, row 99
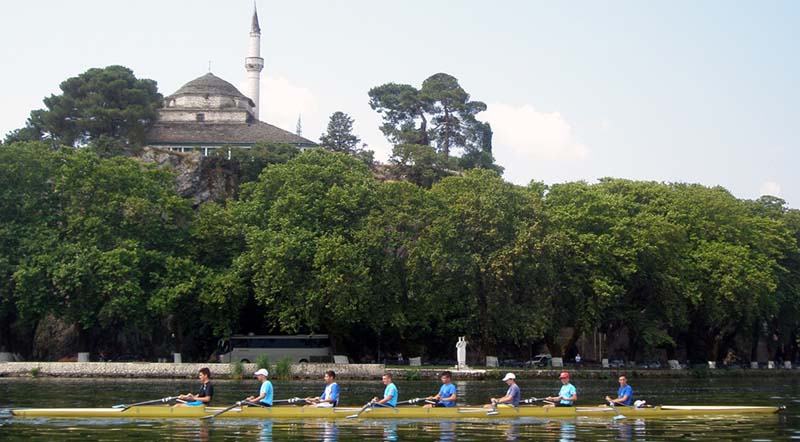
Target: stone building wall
column 210, row 102
column 209, row 115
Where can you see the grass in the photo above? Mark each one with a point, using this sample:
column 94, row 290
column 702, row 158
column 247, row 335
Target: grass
column 283, row 369
column 263, row 362
column 413, row 374
column 237, row 371
column 35, row 371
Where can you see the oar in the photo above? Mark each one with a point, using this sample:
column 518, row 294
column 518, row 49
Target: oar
column 413, row 401
column 363, row 409
column 225, row 410
column 614, row 407
column 534, row 399
column 154, row 401
column 493, row 411
column 276, row 401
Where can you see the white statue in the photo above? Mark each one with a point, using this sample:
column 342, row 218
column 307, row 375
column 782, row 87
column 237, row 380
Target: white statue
column 461, row 352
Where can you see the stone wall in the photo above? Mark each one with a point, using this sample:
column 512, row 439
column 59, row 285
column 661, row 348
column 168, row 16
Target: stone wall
column 209, row 115
column 212, row 102
column 175, row 371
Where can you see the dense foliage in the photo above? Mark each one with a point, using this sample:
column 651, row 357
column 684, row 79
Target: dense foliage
column 440, row 114
column 100, row 248
column 101, row 102
column 316, row 244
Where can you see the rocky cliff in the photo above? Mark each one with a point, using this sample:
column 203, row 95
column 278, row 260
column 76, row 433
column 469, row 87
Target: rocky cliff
column 201, row 178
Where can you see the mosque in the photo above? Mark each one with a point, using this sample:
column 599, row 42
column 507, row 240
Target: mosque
column 208, row 112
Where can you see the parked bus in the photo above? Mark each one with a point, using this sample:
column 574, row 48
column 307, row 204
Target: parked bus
column 298, row 348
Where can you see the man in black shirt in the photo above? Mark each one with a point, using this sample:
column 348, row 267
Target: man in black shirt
column 203, row 397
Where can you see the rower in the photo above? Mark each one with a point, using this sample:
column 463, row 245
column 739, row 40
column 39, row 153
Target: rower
column 330, row 396
column 566, row 396
column 389, row 393
column 511, row 399
column 624, row 393
column 203, row 397
column 446, row 397
column 264, row 397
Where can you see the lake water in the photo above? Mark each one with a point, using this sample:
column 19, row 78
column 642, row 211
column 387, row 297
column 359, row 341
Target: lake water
column 17, row 393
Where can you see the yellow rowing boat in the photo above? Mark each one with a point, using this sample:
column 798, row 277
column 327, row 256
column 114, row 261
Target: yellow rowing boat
column 413, row 412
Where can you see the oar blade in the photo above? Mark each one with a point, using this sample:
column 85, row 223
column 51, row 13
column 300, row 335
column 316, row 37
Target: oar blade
column 618, row 415
column 367, row 406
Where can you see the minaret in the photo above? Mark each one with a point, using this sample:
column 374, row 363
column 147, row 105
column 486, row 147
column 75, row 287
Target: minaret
column 254, row 63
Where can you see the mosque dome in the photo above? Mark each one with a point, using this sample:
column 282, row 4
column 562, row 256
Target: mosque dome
column 210, row 85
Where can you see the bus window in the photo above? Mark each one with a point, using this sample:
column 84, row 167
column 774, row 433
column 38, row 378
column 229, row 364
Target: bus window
column 298, row 348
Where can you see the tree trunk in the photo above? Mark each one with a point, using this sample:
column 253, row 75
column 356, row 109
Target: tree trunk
column 423, row 129
column 552, row 346
column 487, row 343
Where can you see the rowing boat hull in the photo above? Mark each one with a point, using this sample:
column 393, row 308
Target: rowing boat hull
column 291, row 412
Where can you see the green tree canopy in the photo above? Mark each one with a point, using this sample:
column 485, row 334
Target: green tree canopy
column 340, row 137
column 300, row 221
column 107, row 101
column 438, row 113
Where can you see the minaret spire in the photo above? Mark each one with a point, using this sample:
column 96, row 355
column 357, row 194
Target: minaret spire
column 254, row 25
column 253, row 63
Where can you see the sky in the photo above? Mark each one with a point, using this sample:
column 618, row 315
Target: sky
column 672, row 91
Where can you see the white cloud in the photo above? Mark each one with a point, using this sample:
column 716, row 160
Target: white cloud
column 770, row 188
column 282, row 102
column 533, row 134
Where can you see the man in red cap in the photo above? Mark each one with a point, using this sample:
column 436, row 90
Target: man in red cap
column 566, row 396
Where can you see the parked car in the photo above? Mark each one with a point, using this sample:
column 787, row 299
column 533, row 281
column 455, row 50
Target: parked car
column 616, row 363
column 540, row 360
column 651, row 364
column 511, row 363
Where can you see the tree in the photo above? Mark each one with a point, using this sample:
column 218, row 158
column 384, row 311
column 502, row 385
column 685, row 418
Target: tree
column 470, row 250
column 300, row 221
column 419, row 164
column 339, row 137
column 402, row 107
column 28, row 216
column 441, row 101
column 110, row 101
column 404, row 291
column 117, row 223
column 478, row 149
column 252, row 161
column 453, row 113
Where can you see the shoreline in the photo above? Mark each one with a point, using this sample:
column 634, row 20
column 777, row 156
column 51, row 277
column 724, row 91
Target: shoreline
column 164, row 370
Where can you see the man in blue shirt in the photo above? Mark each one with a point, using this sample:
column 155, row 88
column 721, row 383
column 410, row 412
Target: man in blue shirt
column 566, row 396
column 389, row 393
column 264, row 397
column 624, row 394
column 511, row 399
column 330, row 396
column 446, row 397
